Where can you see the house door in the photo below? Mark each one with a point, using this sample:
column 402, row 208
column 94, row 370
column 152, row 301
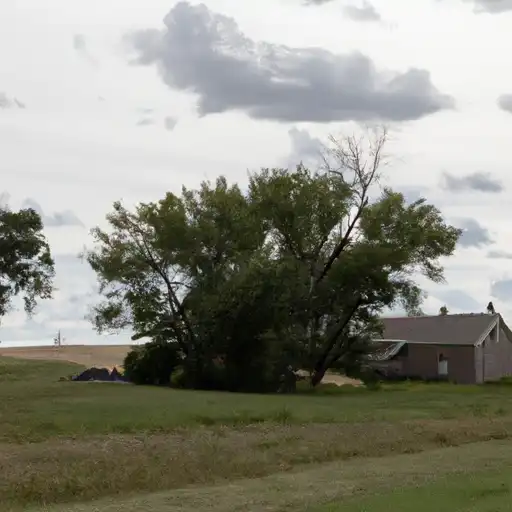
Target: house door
column 442, row 366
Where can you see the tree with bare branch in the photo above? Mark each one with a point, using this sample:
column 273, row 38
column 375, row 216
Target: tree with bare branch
column 295, row 272
column 356, row 247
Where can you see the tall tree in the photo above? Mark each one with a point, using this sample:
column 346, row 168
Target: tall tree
column 190, row 269
column 355, row 254
column 295, row 271
column 26, row 265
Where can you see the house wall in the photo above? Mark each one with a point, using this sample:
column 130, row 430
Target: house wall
column 391, row 368
column 422, row 361
column 493, row 359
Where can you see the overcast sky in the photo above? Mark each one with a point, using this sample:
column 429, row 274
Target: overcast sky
column 127, row 99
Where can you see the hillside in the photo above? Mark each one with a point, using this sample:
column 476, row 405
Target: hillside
column 87, row 355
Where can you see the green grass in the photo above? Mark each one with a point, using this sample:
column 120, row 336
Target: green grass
column 67, row 441
column 478, row 492
column 34, row 406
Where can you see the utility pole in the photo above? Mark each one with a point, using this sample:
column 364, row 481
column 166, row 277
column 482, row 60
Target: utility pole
column 57, row 341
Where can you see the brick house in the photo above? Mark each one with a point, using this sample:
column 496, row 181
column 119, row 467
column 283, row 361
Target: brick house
column 467, row 348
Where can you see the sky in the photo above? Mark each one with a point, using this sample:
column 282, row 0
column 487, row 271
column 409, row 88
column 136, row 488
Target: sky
column 127, row 99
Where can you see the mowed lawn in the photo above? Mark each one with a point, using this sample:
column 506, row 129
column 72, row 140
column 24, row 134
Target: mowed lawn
column 477, row 491
column 68, row 446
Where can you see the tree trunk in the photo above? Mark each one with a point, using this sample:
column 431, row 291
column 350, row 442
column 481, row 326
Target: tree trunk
column 317, row 376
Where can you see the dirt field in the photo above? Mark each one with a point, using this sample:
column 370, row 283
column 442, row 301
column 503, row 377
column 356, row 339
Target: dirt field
column 86, row 355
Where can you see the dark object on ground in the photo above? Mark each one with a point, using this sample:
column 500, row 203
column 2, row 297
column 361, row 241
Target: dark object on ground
column 99, row 375
column 115, row 375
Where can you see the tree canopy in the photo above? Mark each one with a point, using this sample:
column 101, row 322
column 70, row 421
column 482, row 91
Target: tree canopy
column 26, row 265
column 293, row 272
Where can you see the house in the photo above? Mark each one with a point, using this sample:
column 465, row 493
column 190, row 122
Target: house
column 466, row 348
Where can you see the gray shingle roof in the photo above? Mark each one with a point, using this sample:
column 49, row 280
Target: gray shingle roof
column 463, row 329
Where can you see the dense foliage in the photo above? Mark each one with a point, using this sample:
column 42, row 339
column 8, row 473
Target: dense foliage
column 152, row 363
column 292, row 273
column 26, row 265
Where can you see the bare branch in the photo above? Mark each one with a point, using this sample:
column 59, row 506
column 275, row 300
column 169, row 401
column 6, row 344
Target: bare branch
column 357, row 165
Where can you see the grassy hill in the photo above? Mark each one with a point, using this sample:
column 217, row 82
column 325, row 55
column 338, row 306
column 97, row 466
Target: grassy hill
column 69, row 446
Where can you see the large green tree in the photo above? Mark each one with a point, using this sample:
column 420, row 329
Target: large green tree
column 355, row 254
column 26, row 265
column 194, row 270
column 293, row 272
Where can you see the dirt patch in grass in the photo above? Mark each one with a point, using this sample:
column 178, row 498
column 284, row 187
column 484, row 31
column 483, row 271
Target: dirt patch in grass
column 84, row 469
column 340, row 380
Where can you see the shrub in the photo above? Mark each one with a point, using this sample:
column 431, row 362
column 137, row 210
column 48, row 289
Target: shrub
column 178, row 378
column 152, row 363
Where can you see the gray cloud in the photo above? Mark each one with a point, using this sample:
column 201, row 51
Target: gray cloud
column 304, row 148
column 170, row 123
column 505, row 102
column 58, row 219
column 473, row 233
column 79, row 43
column 502, row 290
column 412, row 193
column 76, row 291
column 499, row 255
column 8, row 102
column 80, row 46
column 476, row 181
column 145, row 121
column 364, row 13
column 492, row 6
column 5, row 197
column 206, row 53
column 458, row 299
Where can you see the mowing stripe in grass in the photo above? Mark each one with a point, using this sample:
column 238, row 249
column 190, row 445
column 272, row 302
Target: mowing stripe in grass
column 319, row 485
column 482, row 492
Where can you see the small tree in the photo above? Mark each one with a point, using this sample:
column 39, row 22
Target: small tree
column 152, row 363
column 443, row 310
column 26, row 265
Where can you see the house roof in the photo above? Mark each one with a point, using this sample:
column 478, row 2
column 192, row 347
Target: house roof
column 385, row 350
column 465, row 329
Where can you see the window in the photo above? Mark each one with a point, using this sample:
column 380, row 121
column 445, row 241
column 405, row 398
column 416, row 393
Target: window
column 493, row 334
column 442, row 366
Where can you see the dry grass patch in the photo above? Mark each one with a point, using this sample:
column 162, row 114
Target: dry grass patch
column 83, row 469
column 65, row 441
column 85, row 355
column 304, row 490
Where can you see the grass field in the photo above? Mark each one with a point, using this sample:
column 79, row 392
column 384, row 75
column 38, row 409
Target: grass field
column 477, row 491
column 69, row 446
